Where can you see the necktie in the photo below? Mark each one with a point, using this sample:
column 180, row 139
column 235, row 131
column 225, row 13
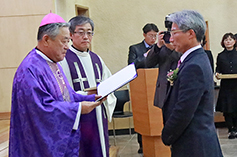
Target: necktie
column 59, row 77
column 148, row 48
column 179, row 62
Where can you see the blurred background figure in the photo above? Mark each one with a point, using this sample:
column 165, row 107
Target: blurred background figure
column 227, row 64
column 137, row 55
column 164, row 55
column 208, row 52
column 137, row 52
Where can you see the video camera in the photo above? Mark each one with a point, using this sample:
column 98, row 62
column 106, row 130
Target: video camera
column 168, row 25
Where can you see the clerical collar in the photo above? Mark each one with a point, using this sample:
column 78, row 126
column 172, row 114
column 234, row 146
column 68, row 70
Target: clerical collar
column 43, row 55
column 78, row 52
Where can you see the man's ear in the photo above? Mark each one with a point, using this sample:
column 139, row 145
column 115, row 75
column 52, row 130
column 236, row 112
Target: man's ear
column 144, row 34
column 45, row 40
column 192, row 34
column 71, row 35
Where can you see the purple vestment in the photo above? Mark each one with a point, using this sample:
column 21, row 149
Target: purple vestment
column 90, row 145
column 41, row 121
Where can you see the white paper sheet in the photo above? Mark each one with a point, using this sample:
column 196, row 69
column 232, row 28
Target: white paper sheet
column 117, row 80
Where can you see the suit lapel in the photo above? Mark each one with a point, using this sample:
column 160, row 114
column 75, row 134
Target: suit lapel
column 180, row 68
column 189, row 57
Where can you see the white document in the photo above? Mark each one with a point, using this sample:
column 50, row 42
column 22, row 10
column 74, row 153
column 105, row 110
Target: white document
column 117, row 80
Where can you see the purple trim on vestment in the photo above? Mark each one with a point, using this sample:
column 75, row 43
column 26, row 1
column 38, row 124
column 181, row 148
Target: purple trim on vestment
column 96, row 59
column 90, row 140
column 71, row 58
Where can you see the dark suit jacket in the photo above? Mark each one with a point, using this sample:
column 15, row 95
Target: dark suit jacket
column 136, row 55
column 188, row 110
column 167, row 60
column 209, row 54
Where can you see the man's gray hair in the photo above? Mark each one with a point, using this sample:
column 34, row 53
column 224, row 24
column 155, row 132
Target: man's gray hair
column 190, row 19
column 52, row 30
column 78, row 21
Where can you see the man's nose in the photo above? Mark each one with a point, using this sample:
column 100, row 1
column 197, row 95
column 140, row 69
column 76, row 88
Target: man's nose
column 171, row 39
column 66, row 47
column 85, row 36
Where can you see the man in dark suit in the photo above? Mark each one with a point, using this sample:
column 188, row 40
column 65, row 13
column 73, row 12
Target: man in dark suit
column 137, row 55
column 167, row 58
column 137, row 52
column 188, row 109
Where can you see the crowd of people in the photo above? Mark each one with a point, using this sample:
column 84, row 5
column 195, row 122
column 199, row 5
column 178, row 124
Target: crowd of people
column 53, row 115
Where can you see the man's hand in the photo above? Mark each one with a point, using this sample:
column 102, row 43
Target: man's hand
column 97, row 97
column 160, row 39
column 87, row 106
column 169, row 46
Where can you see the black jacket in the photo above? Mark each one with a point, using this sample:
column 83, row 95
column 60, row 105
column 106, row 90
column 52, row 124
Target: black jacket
column 227, row 64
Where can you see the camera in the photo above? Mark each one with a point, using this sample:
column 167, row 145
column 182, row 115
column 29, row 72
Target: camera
column 166, row 36
column 168, row 25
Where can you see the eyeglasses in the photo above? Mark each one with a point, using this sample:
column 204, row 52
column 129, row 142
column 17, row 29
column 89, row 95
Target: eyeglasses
column 172, row 32
column 83, row 33
column 152, row 35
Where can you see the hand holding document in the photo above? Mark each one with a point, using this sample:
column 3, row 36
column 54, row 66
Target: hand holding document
column 116, row 81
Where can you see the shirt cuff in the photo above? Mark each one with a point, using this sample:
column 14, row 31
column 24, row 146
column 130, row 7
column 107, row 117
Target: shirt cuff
column 77, row 120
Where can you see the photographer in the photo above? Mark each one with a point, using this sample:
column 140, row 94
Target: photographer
column 163, row 54
column 137, row 52
column 137, row 55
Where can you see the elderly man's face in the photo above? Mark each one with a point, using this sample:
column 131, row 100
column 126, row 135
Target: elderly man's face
column 179, row 39
column 57, row 48
column 82, row 37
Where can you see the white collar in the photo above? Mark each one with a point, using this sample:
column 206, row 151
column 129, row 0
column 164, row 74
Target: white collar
column 146, row 45
column 43, row 55
column 80, row 53
column 188, row 52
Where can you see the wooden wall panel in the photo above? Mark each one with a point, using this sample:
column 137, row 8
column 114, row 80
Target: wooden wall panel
column 6, row 89
column 25, row 7
column 19, row 20
column 19, row 36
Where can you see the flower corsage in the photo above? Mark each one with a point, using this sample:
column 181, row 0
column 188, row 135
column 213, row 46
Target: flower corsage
column 172, row 76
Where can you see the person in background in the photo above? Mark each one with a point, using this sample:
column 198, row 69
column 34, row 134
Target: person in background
column 85, row 69
column 138, row 52
column 188, row 112
column 235, row 35
column 208, row 52
column 167, row 58
column 45, row 110
column 227, row 64
column 137, row 55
